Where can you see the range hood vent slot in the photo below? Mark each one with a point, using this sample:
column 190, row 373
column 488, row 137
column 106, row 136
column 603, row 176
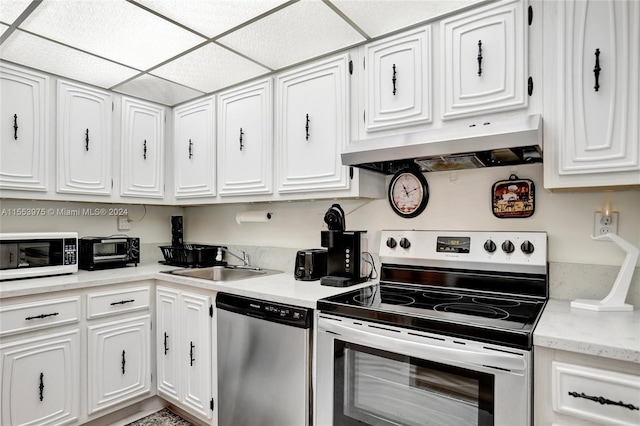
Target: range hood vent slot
column 505, row 142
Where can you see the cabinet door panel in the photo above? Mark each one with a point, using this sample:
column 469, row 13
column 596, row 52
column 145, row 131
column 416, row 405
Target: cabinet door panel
column 313, row 127
column 40, row 380
column 24, row 105
column 194, row 152
column 398, row 81
column 245, row 141
column 484, row 60
column 168, row 343
column 599, row 125
column 118, row 361
column 196, row 350
column 84, row 140
column 142, row 161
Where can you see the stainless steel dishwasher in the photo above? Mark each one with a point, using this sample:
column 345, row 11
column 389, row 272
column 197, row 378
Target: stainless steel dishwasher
column 264, row 356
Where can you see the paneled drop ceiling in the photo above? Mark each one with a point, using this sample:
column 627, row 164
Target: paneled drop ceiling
column 172, row 51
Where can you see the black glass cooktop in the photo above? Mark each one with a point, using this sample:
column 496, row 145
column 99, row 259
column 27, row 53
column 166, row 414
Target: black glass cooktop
column 501, row 319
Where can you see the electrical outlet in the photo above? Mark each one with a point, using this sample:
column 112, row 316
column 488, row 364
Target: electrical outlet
column 123, row 223
column 605, row 224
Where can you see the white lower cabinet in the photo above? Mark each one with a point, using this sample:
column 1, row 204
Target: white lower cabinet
column 119, row 361
column 574, row 389
column 40, row 380
column 184, row 342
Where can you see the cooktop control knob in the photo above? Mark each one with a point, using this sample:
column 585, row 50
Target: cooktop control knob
column 527, row 247
column 391, row 242
column 404, row 243
column 507, row 247
column 490, row 246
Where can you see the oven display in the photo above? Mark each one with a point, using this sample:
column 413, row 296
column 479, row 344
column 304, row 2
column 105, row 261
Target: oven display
column 453, row 244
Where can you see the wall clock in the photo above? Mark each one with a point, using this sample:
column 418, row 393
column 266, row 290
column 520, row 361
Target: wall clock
column 408, row 193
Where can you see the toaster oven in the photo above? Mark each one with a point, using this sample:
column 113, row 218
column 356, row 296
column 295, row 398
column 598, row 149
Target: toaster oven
column 108, row 252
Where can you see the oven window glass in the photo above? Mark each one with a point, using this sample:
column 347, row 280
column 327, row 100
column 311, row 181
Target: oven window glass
column 379, row 388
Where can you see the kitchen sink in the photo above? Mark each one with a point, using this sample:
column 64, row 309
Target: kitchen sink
column 223, row 273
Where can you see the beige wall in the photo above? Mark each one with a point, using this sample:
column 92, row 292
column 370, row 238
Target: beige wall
column 462, row 204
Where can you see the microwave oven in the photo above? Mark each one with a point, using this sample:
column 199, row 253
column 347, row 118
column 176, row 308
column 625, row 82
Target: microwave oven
column 37, row 254
column 108, row 252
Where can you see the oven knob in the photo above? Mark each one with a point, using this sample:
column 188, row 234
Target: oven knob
column 391, row 242
column 527, row 247
column 404, row 243
column 490, row 246
column 508, row 247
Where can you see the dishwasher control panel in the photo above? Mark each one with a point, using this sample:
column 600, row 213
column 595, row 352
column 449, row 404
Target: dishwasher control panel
column 269, row 311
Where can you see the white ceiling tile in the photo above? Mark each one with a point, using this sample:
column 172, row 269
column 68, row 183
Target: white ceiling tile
column 208, row 17
column 378, row 17
column 35, row 52
column 3, row 28
column 296, row 33
column 11, row 9
column 157, row 90
column 210, row 68
column 116, row 30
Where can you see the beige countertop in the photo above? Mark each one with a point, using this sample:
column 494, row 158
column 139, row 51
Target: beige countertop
column 282, row 287
column 613, row 335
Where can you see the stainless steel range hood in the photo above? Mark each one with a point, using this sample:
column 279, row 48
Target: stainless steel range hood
column 507, row 141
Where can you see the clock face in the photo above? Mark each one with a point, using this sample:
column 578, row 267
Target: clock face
column 408, row 193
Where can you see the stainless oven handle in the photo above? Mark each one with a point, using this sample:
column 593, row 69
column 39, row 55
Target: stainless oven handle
column 513, row 363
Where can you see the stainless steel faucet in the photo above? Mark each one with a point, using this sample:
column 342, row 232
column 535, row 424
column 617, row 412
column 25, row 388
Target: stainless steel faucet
column 244, row 258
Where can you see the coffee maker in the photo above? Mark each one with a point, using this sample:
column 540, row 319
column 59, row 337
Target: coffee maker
column 345, row 249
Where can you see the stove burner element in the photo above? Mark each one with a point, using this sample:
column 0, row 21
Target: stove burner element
column 496, row 302
column 444, row 297
column 473, row 309
column 398, row 299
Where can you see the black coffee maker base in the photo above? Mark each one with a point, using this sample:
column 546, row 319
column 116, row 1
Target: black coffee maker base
column 334, row 281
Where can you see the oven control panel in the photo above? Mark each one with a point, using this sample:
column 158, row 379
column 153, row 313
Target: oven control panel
column 484, row 250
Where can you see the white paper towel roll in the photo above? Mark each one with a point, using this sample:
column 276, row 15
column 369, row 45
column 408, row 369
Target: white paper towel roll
column 259, row 216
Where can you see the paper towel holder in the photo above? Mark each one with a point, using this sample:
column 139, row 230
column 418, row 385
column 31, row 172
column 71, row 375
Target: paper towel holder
column 253, row 217
column 614, row 301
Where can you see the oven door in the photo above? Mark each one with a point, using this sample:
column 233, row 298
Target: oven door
column 372, row 374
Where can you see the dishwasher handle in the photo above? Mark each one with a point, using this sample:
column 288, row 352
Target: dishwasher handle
column 280, row 313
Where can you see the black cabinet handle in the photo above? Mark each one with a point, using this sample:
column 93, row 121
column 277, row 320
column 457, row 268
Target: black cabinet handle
column 144, row 150
column 191, row 353
column 190, row 149
column 41, row 387
column 602, row 400
column 124, row 361
column 241, row 133
column 166, row 348
column 479, row 57
column 86, row 140
column 597, row 69
column 307, row 127
column 15, row 126
column 41, row 316
column 393, row 79
column 122, row 302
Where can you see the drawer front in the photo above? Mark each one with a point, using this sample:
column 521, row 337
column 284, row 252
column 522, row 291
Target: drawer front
column 39, row 314
column 119, row 301
column 598, row 395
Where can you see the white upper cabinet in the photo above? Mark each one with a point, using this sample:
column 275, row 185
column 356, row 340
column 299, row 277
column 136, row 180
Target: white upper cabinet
column 84, row 139
column 245, row 141
column 312, row 127
column 592, row 139
column 142, row 152
column 398, row 74
column 194, row 149
column 24, row 125
column 484, row 60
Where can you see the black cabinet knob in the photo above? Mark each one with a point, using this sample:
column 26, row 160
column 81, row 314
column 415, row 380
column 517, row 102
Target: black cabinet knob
column 490, row 246
column 404, row 243
column 508, row 247
column 391, row 242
